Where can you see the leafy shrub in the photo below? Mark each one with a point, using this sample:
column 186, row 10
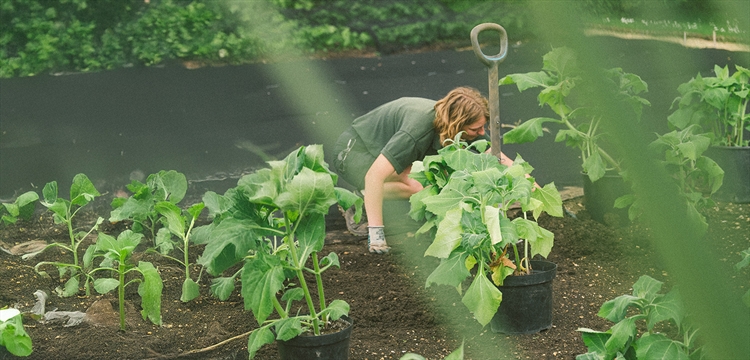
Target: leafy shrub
column 22, row 207
column 624, row 341
column 75, row 35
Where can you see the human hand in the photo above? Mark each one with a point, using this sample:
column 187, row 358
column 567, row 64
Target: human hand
column 376, row 240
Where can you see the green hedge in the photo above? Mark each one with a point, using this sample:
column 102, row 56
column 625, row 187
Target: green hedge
column 42, row 36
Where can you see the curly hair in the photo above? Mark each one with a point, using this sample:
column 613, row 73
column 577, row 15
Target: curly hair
column 461, row 106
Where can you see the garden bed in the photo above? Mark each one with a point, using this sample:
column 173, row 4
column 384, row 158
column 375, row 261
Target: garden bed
column 392, row 310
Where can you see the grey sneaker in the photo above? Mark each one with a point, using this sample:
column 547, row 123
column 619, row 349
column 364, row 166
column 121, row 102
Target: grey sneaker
column 356, row 229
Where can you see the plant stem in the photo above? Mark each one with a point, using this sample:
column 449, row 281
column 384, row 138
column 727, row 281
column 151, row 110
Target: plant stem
column 121, row 292
column 740, row 128
column 319, row 282
column 72, row 240
column 300, row 275
column 279, row 309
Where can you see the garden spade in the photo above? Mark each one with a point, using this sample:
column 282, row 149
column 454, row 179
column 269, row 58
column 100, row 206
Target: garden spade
column 491, row 62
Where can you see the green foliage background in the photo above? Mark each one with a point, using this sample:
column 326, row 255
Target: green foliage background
column 52, row 36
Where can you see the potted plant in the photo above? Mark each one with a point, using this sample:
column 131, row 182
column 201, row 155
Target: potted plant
column 465, row 205
column 719, row 105
column 696, row 176
column 273, row 224
column 563, row 90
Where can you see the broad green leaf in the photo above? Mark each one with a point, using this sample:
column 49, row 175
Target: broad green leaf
column 196, row 209
column 508, row 229
column 25, row 203
column 451, row 271
column 426, row 227
column 132, row 209
column 541, row 240
column 646, row 287
column 336, row 309
column 713, row 171
column 417, row 210
column 60, row 209
column 311, row 235
column 12, row 209
column 624, row 201
column 622, row 333
column 288, row 328
column 482, row 299
column 447, row 200
column 105, row 285
column 49, row 193
column 222, row 287
column 82, row 191
column 561, row 61
column 572, row 138
column 331, row 259
column 457, row 354
column 448, row 235
column 528, row 131
column 542, row 244
column 128, row 241
column 293, row 294
column 315, row 160
column 590, row 356
column 595, row 341
column 284, row 170
column 594, row 167
column 168, row 185
column 88, row 256
column 492, row 222
column 190, row 290
column 262, row 278
column 667, row 307
column 683, row 117
column 658, row 346
column 260, row 187
column 13, row 337
column 745, row 259
column 201, row 234
column 216, row 204
column 70, row 288
column 615, row 310
column 258, row 338
column 164, row 241
column 173, row 216
column 308, row 192
column 486, row 181
column 229, row 243
column 347, row 199
column 527, row 80
column 108, row 245
column 550, row 198
column 150, row 292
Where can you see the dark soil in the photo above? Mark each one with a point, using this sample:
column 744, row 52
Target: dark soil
column 393, row 312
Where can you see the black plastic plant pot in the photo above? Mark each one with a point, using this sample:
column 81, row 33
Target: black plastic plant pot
column 527, row 301
column 600, row 199
column 333, row 346
column 735, row 161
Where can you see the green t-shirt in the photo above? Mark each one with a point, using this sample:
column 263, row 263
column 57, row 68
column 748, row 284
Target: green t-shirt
column 402, row 130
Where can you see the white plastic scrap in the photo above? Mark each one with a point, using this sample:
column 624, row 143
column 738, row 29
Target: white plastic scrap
column 73, row 318
column 41, row 300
